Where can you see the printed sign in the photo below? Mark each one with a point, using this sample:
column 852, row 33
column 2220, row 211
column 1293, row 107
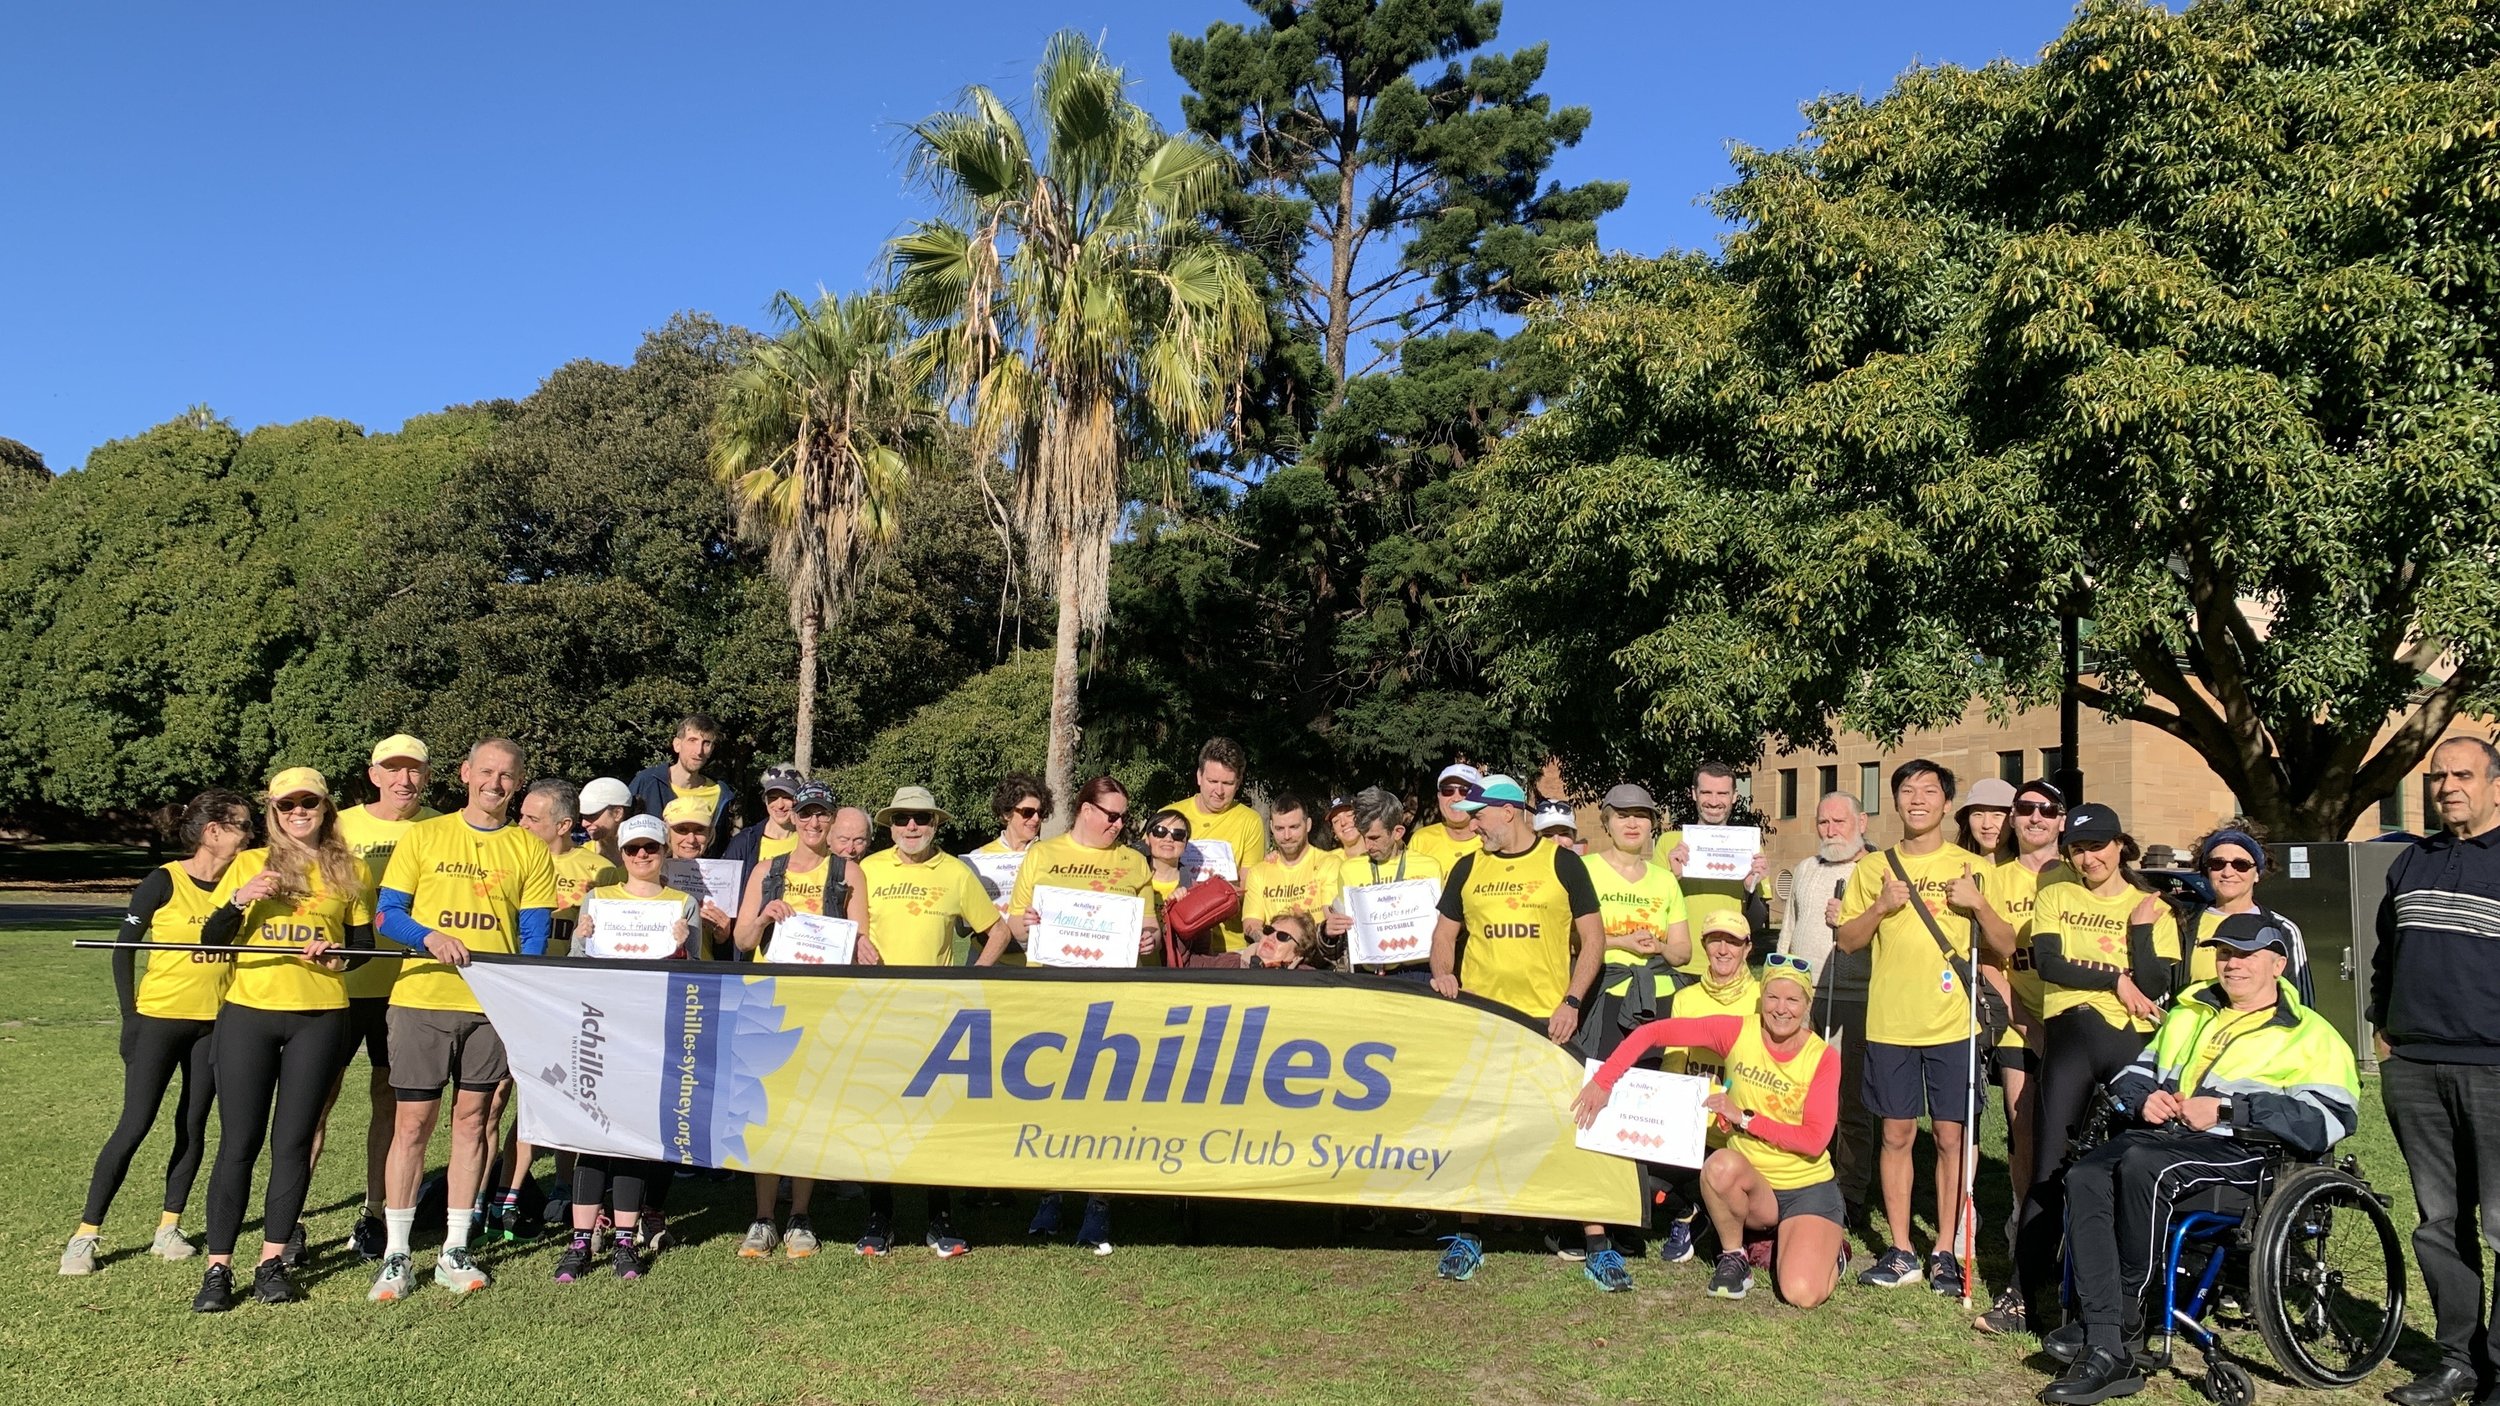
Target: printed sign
column 630, row 927
column 1393, row 921
column 718, row 880
column 1720, row 851
column 1081, row 928
column 1653, row 1117
column 814, row 940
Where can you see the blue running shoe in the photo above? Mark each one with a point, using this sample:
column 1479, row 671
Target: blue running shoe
column 1605, row 1269
column 1459, row 1261
column 1095, row 1231
column 1045, row 1217
column 1678, row 1246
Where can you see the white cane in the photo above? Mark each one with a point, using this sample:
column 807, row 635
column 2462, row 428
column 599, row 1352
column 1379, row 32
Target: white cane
column 1965, row 1240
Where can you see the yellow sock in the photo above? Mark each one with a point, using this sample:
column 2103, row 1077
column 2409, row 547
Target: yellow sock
column 86, row 1229
column 169, row 1218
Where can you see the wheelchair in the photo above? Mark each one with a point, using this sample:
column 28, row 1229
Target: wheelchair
column 2311, row 1260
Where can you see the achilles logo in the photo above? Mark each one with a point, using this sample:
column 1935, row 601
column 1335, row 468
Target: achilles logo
column 589, row 1065
column 553, row 1075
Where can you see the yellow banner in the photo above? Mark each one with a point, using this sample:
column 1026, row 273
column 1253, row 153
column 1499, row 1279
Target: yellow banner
column 1297, row 1087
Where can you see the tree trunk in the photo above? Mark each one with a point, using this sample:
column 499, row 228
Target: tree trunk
column 1060, row 773
column 803, row 749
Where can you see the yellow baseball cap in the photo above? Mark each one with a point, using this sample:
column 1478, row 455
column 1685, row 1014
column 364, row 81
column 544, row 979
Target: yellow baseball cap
column 1729, row 921
column 297, row 781
column 686, row 810
column 399, row 746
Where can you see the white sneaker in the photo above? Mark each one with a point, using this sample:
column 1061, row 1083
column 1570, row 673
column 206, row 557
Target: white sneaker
column 171, row 1243
column 397, row 1280
column 79, row 1258
column 761, row 1238
column 454, row 1270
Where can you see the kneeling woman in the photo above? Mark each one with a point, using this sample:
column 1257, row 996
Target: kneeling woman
column 1781, row 1102
column 283, row 1030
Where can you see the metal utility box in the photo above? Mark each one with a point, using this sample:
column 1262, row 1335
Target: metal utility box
column 2333, row 892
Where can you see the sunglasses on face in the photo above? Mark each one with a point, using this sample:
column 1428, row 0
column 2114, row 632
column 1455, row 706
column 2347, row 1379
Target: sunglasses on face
column 914, row 817
column 2217, row 863
column 1116, row 817
column 2047, row 809
column 640, row 847
column 288, row 805
column 1027, row 812
column 1168, row 832
column 1453, row 788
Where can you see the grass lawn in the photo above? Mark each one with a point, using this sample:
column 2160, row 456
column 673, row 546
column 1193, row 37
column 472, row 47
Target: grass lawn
column 1273, row 1312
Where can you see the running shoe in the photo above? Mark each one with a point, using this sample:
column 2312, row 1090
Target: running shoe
column 1732, row 1276
column 397, row 1280
column 171, row 1243
column 521, row 1227
column 454, row 1270
column 293, row 1256
column 1605, row 1269
column 1095, row 1232
column 494, row 1224
column 79, row 1258
column 1045, row 1217
column 1459, row 1261
column 624, row 1261
column 1677, row 1247
column 216, row 1293
column 943, row 1239
column 1420, row 1226
column 1944, row 1274
column 574, row 1262
column 1893, row 1269
column 2008, row 1314
column 270, row 1284
column 369, row 1237
column 651, row 1233
column 557, row 1213
column 879, row 1239
column 761, row 1238
column 799, row 1241
column 1571, row 1249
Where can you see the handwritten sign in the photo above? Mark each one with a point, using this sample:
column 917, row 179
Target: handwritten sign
column 715, row 879
column 630, row 927
column 997, row 872
column 1721, row 851
column 1082, row 928
column 811, row 939
column 1393, row 921
column 1653, row 1117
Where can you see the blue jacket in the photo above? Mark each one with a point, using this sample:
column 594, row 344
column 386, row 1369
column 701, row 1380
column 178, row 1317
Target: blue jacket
column 652, row 793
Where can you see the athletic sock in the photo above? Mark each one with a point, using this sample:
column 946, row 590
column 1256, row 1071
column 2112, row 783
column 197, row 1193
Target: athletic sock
column 86, row 1229
column 508, row 1201
column 456, row 1230
column 166, row 1218
column 397, row 1227
column 582, row 1239
column 1600, row 1242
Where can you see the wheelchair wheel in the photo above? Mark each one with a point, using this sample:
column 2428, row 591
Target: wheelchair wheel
column 2326, row 1278
column 2228, row 1384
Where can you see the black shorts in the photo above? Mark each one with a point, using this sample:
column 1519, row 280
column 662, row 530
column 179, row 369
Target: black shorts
column 1914, row 1081
column 2017, row 1056
column 368, row 1028
column 1821, row 1199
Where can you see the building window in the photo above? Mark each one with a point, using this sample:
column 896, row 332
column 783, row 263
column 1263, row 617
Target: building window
column 1744, row 791
column 2053, row 765
column 2391, row 811
column 2010, row 767
column 1788, row 793
column 1870, row 788
column 1826, row 781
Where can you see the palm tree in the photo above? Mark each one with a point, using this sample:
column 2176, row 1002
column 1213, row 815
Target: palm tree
column 815, row 436
column 1071, row 294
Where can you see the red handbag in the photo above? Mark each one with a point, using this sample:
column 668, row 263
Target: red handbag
column 1200, row 909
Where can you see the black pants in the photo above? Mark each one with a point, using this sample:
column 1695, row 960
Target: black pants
column 154, row 1050
column 2082, row 1052
column 1858, row 1140
column 881, row 1203
column 2447, row 1122
column 273, row 1075
column 630, row 1179
column 2122, row 1199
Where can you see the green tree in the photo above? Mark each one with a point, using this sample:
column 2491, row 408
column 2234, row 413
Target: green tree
column 815, row 437
column 1074, row 298
column 2184, row 331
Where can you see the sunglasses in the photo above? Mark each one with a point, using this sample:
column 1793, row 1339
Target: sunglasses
column 640, row 847
column 288, row 805
column 1027, row 812
column 1168, row 832
column 1453, row 788
column 1802, row 966
column 2215, row 864
column 2049, row 809
column 914, row 817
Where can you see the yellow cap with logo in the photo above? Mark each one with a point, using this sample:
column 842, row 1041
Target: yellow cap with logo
column 298, row 781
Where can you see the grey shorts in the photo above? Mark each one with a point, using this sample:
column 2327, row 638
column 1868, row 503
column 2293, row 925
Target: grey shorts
column 432, row 1048
column 1821, row 1199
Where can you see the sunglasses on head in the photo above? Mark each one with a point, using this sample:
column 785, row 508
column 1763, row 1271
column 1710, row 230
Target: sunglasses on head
column 288, row 805
column 2048, row 809
column 1168, row 832
column 1790, row 961
column 914, row 817
column 2216, row 863
column 640, row 847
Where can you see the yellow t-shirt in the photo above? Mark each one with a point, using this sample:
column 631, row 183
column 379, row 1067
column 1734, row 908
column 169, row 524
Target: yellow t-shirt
column 1275, row 887
column 1434, row 842
column 2094, row 930
column 2012, row 889
column 180, row 986
column 708, row 793
column 1703, row 897
column 469, row 885
column 913, row 908
column 1740, row 997
column 1239, row 826
column 371, row 838
column 768, row 849
column 1356, row 871
column 1912, row 996
column 1654, row 901
column 1519, row 911
column 1061, row 862
column 282, row 983
column 1778, row 1091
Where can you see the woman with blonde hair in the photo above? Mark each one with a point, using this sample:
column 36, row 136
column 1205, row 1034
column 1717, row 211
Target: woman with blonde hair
column 284, row 1027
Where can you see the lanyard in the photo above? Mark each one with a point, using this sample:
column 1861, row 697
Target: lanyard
column 1376, row 866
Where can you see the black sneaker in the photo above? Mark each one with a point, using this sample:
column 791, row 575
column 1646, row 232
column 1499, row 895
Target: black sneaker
column 1732, row 1277
column 1892, row 1269
column 216, row 1293
column 1944, row 1274
column 369, row 1237
column 2065, row 1344
column 293, row 1256
column 627, row 1264
column 2009, row 1314
column 269, row 1282
column 574, row 1262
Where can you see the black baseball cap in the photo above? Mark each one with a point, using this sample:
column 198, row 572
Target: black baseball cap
column 2091, row 824
column 2250, row 932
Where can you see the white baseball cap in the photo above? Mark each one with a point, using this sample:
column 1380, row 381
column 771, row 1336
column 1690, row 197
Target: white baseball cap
column 643, row 827
column 603, row 793
column 1463, row 772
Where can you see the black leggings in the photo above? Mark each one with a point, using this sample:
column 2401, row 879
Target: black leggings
column 154, row 1050
column 881, row 1202
column 2082, row 1052
column 630, row 1178
column 269, row 1062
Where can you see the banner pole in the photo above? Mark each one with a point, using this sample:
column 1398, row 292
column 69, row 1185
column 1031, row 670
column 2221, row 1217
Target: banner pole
column 96, row 945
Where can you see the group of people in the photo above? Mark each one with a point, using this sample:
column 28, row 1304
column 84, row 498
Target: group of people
column 2006, row 942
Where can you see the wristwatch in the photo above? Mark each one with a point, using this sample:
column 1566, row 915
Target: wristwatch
column 1572, row 1001
column 1744, row 1121
column 2222, row 1118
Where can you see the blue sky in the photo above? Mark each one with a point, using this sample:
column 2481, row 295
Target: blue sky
column 374, row 211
